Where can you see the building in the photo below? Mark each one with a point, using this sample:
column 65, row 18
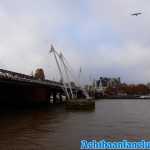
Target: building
column 105, row 82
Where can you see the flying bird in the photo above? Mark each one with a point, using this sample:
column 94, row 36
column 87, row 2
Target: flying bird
column 136, row 14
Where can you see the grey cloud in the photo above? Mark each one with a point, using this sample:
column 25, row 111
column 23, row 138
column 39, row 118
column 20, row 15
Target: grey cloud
column 27, row 28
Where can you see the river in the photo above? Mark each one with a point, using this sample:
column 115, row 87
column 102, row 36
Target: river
column 58, row 129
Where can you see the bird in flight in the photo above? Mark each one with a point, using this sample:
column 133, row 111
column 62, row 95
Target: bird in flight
column 136, row 14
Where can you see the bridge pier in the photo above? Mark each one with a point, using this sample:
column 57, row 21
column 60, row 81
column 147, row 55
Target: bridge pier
column 60, row 98
column 80, row 95
column 54, row 97
column 57, row 97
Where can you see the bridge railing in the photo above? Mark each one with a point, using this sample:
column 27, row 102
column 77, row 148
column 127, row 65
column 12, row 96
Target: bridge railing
column 5, row 74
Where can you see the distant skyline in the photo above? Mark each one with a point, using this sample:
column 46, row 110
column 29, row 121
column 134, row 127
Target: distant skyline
column 99, row 36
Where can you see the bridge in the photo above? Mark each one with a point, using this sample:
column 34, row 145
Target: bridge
column 17, row 88
column 21, row 89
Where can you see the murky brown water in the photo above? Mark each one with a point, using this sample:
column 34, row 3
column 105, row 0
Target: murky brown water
column 57, row 129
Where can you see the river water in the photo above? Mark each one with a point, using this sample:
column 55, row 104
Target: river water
column 58, row 129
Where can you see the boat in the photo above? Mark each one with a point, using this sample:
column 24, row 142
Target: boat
column 144, row 97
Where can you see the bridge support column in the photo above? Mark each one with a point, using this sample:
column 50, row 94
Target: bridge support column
column 54, row 98
column 60, row 98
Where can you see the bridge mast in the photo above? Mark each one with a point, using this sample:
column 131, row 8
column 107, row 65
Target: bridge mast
column 67, row 72
column 59, row 68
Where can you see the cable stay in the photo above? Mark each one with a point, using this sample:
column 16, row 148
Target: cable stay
column 67, row 75
column 70, row 70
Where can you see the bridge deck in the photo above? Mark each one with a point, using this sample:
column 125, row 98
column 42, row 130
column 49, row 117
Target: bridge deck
column 11, row 77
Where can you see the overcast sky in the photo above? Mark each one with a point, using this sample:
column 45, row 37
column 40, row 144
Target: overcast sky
column 98, row 35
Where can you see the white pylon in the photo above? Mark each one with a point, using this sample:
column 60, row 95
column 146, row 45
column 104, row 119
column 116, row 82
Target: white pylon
column 59, row 68
column 68, row 71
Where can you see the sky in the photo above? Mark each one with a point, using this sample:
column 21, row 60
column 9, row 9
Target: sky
column 99, row 36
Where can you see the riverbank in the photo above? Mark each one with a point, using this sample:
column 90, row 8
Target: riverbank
column 122, row 97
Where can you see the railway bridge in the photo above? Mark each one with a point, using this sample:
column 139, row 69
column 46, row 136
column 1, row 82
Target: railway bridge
column 21, row 89
column 17, row 88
